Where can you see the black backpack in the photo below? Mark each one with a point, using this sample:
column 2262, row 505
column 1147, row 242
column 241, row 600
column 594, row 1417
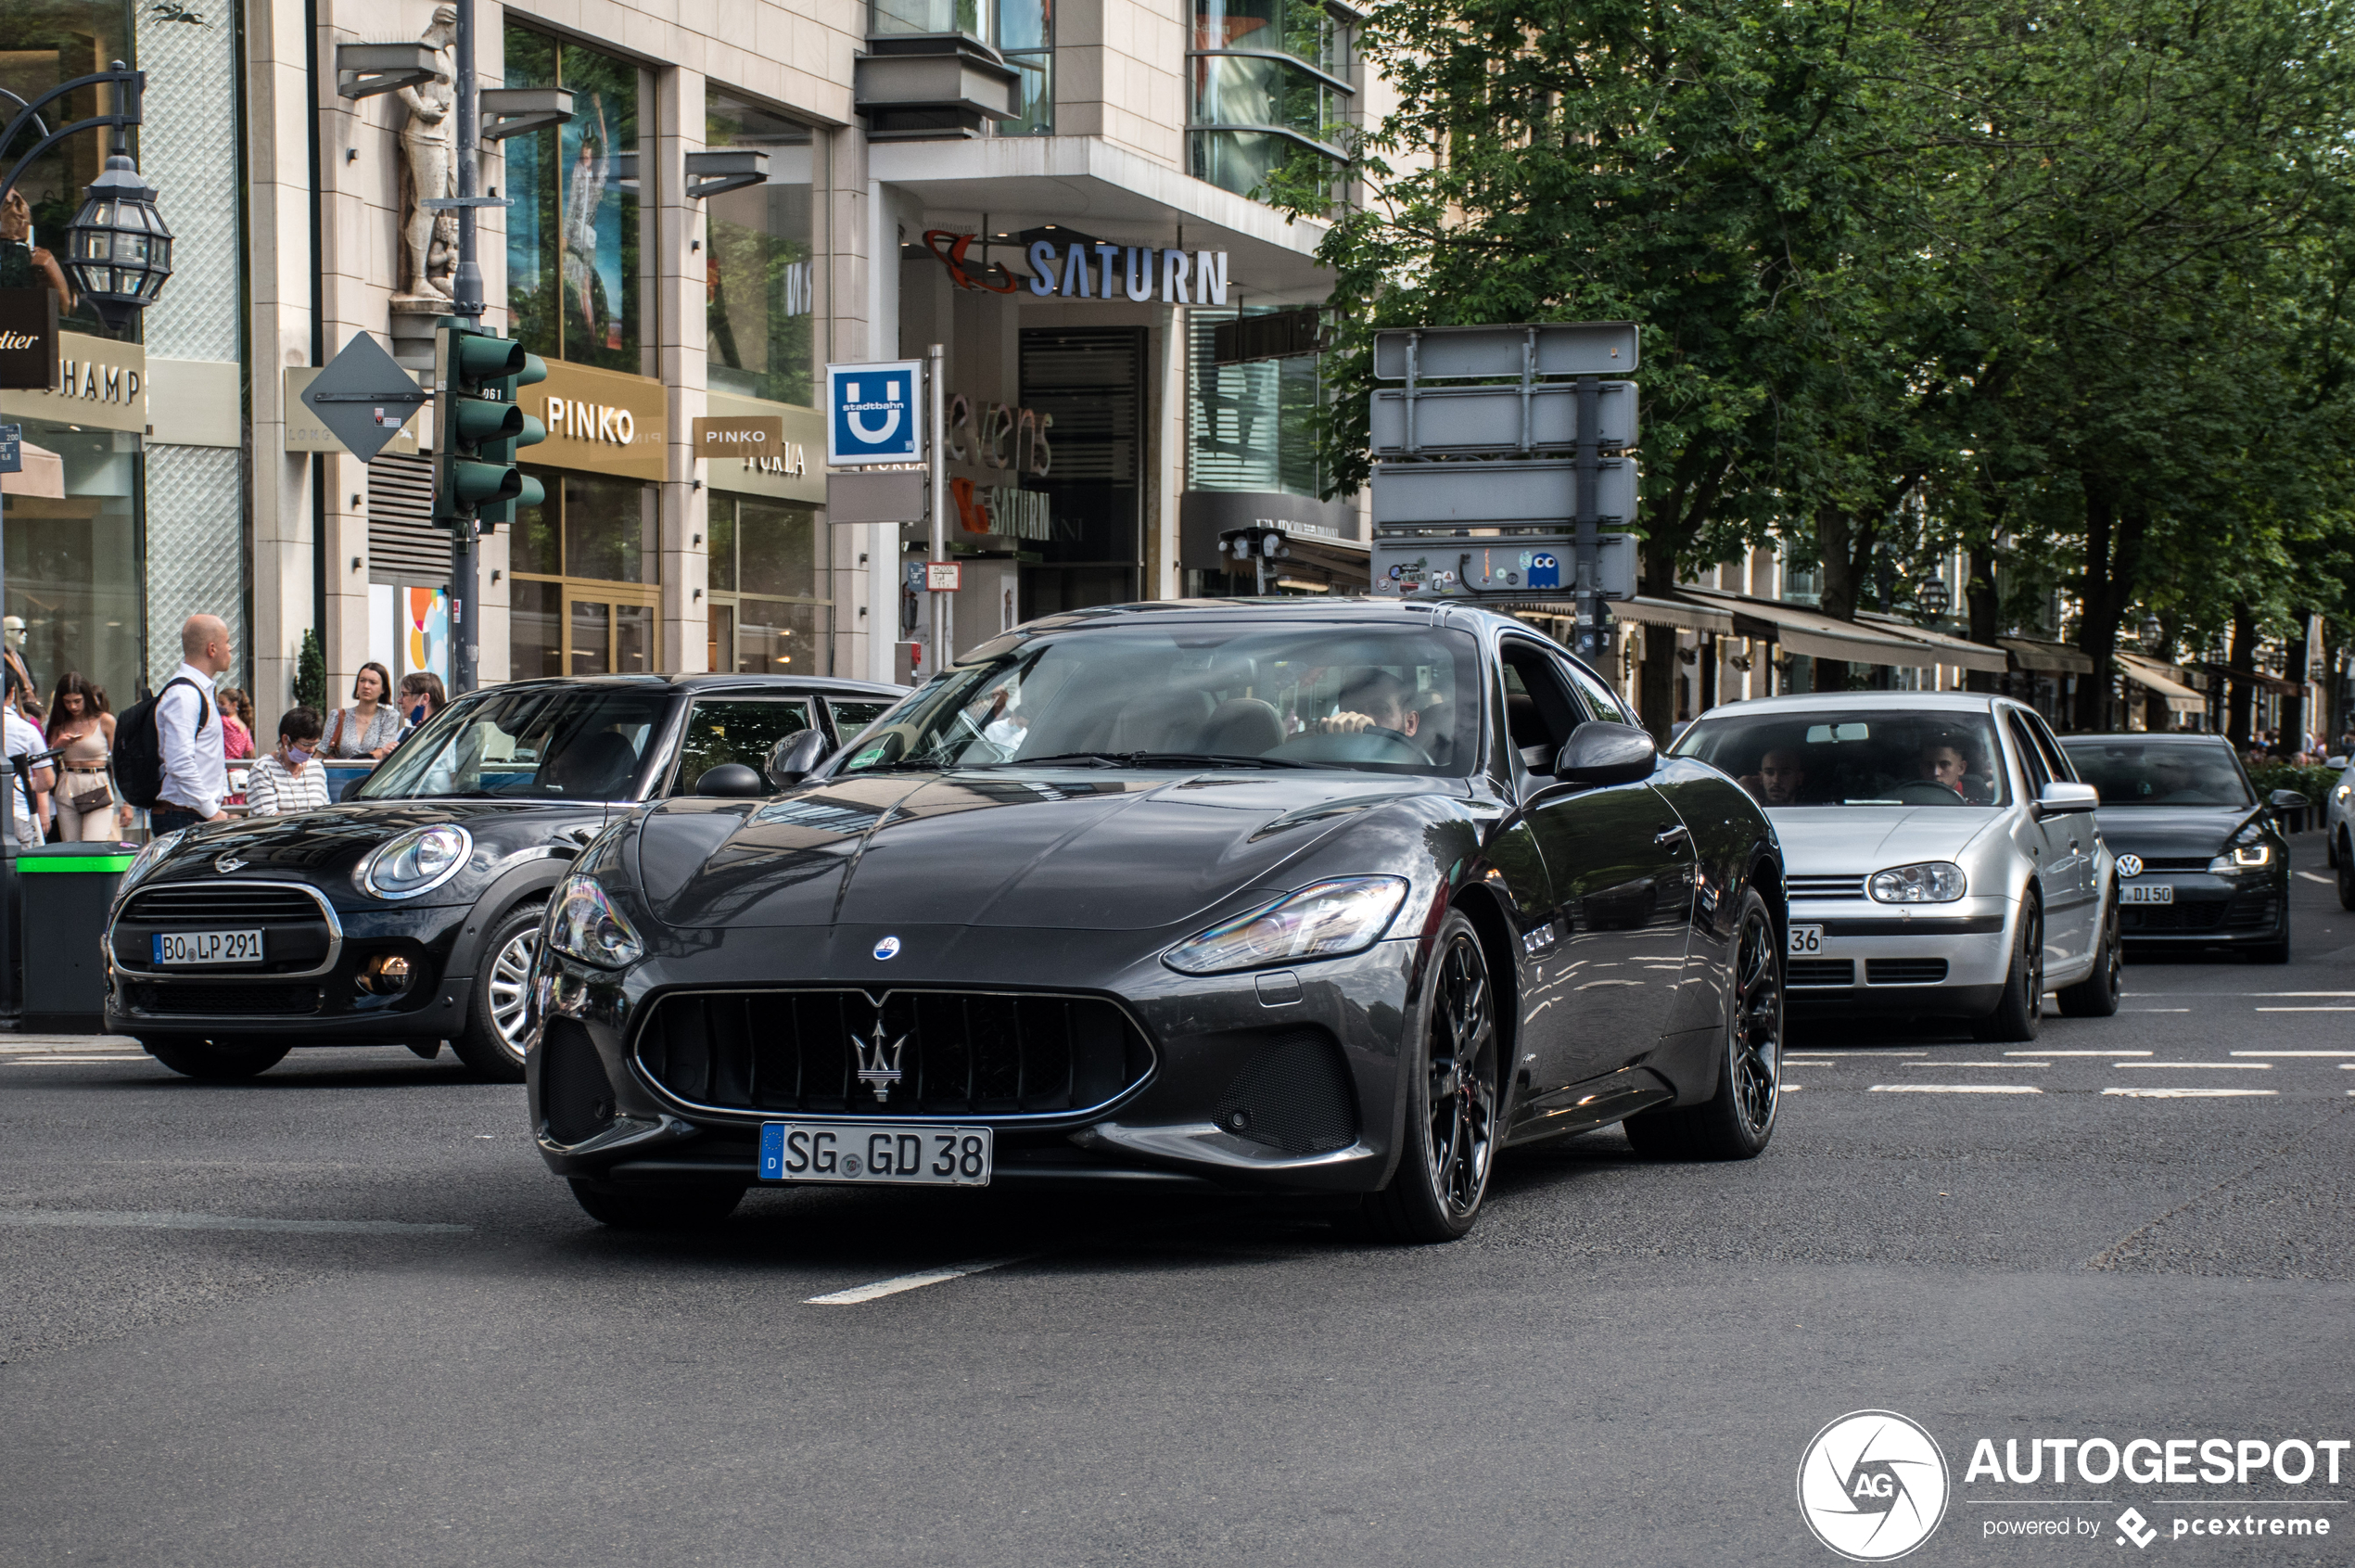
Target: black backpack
column 138, row 745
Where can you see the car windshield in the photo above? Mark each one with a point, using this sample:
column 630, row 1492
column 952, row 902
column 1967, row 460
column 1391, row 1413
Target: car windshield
column 1872, row 757
column 2164, row 773
column 527, row 743
column 1402, row 700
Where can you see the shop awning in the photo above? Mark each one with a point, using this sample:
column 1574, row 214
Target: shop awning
column 2154, row 675
column 1957, row 652
column 1680, row 613
column 2254, row 677
column 1815, row 634
column 43, row 474
column 2045, row 658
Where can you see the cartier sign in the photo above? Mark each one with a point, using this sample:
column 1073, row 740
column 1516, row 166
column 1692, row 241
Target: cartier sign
column 600, row 420
column 28, row 339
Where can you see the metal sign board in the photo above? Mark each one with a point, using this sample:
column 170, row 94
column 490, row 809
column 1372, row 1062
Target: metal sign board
column 1564, row 348
column 874, row 414
column 896, row 495
column 1424, row 496
column 944, row 577
column 28, row 339
column 1473, row 421
column 11, row 449
column 1523, row 567
column 364, row 397
column 736, row 435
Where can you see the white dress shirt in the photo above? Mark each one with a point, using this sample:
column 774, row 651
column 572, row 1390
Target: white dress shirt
column 196, row 769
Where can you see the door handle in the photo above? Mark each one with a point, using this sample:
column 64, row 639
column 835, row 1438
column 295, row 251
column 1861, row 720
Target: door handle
column 1669, row 838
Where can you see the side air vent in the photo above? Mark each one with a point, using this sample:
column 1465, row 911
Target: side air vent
column 574, row 1095
column 1295, row 1094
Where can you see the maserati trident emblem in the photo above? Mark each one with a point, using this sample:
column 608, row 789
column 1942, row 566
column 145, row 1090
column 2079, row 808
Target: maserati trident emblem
column 879, row 1068
column 227, row 863
column 2129, row 865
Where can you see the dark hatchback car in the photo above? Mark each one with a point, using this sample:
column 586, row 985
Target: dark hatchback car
column 409, row 913
column 2201, row 861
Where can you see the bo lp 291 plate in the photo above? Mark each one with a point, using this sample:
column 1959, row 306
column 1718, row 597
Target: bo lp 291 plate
column 894, row 1153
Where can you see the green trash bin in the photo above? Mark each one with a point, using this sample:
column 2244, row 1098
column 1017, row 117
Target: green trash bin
column 67, row 890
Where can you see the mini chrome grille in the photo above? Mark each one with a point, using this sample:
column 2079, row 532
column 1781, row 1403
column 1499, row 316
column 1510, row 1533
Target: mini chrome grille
column 203, row 904
column 942, row 1054
column 1825, row 886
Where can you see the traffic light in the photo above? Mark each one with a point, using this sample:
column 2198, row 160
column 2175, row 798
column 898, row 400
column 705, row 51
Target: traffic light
column 479, row 427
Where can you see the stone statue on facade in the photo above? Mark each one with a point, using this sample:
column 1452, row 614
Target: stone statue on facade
column 429, row 170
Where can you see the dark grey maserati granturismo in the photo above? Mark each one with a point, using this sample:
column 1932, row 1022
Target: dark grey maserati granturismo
column 1337, row 899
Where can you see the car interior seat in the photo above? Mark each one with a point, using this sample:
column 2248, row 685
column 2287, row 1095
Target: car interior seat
column 1244, row 727
column 593, row 767
column 1173, row 718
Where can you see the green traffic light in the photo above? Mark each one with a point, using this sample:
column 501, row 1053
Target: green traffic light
column 533, row 433
column 480, row 420
column 483, row 358
column 533, row 492
column 533, row 369
column 475, row 484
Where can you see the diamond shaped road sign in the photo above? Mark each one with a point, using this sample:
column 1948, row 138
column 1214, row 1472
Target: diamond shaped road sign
column 364, row 397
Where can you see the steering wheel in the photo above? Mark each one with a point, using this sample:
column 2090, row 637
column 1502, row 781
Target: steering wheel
column 1372, row 744
column 1928, row 792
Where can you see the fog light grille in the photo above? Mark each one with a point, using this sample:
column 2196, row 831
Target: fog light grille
column 1295, row 1094
column 576, row 1099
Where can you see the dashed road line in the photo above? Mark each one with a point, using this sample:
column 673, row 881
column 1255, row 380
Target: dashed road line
column 2205, row 1066
column 858, row 1294
column 1933, row 1065
column 2293, row 1053
column 167, row 1220
column 2306, row 1010
column 2192, row 1093
column 2323, row 880
column 2104, row 1054
column 1955, row 1089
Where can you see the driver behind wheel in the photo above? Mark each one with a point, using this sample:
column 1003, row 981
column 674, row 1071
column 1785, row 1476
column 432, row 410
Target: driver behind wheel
column 1945, row 759
column 1374, row 699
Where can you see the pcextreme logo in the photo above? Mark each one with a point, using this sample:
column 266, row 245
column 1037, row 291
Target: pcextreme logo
column 1872, row 1485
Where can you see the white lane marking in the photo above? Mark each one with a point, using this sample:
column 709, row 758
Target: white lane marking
column 2154, row 1010
column 882, row 1288
column 26, row 1044
column 1955, row 1088
column 167, row 1220
column 2109, row 1053
column 2325, row 881
column 2294, row 1052
column 1935, row 1065
column 69, row 1060
column 1861, row 1051
column 2206, row 1066
column 2212, row 995
column 2306, row 1010
column 2192, row 1093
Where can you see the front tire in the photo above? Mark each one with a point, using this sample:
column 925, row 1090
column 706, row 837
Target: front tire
column 500, row 1005
column 217, row 1061
column 1450, row 1144
column 1738, row 1120
column 2097, row 995
column 2020, row 1015
column 2346, row 864
column 671, row 1205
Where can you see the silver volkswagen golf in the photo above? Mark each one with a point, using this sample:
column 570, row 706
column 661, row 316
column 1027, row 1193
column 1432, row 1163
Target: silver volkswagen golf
column 1941, row 853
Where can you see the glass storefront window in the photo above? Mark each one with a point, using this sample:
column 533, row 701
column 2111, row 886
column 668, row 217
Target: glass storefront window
column 1022, row 30
column 1250, row 427
column 772, row 611
column 583, row 570
column 73, row 564
column 575, row 287
column 1268, row 90
column 47, row 42
column 762, row 274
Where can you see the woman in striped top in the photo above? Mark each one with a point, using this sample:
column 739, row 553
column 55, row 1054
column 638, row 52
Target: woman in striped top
column 289, row 778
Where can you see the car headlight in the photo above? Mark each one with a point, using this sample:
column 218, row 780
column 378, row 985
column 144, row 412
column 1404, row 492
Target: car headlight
column 145, row 861
column 417, row 862
column 2242, row 856
column 583, row 924
column 1323, row 921
column 1931, row 882
column 2343, row 791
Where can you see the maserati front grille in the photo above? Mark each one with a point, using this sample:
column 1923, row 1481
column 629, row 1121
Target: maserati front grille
column 920, row 1053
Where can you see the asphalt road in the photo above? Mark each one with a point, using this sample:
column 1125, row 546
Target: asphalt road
column 340, row 1314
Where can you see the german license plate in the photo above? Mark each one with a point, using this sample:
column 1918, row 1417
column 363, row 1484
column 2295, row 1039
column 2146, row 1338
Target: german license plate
column 1806, row 941
column 894, row 1153
column 208, row 947
column 2146, row 893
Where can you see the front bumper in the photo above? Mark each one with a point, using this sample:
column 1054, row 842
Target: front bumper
column 325, row 1008
column 1167, row 1130
column 1883, row 957
column 2207, row 910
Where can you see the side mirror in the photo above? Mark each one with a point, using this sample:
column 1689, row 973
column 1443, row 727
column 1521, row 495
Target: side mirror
column 796, row 757
column 2058, row 797
column 733, row 778
column 2288, row 800
column 1602, row 753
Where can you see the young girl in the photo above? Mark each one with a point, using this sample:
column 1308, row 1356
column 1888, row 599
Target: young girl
column 370, row 725
column 79, row 723
column 289, row 778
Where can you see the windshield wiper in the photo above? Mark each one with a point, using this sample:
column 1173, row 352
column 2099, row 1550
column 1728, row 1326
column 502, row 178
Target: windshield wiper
column 1210, row 759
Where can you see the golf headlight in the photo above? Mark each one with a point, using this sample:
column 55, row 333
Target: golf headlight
column 2242, row 856
column 417, row 862
column 2344, row 790
column 1931, row 882
column 583, row 924
column 145, row 861
column 1323, row 921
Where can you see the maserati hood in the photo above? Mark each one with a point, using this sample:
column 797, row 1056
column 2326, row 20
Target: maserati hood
column 1838, row 840
column 1057, row 850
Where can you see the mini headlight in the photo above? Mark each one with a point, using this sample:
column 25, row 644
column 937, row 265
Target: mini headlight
column 417, row 862
column 2242, row 856
column 1323, row 921
column 1931, row 882
column 145, row 861
column 583, row 924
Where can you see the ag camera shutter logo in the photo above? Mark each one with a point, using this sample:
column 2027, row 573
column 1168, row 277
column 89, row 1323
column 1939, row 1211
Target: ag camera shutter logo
column 1872, row 1485
column 874, row 414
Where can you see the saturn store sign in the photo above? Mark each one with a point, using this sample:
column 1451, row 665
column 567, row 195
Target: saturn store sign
column 601, row 420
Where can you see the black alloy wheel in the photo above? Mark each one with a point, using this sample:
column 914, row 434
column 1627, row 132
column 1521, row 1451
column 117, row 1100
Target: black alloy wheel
column 1737, row 1122
column 1450, row 1145
column 217, row 1061
column 666, row 1205
column 498, row 1008
column 2018, row 1015
column 2097, row 995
